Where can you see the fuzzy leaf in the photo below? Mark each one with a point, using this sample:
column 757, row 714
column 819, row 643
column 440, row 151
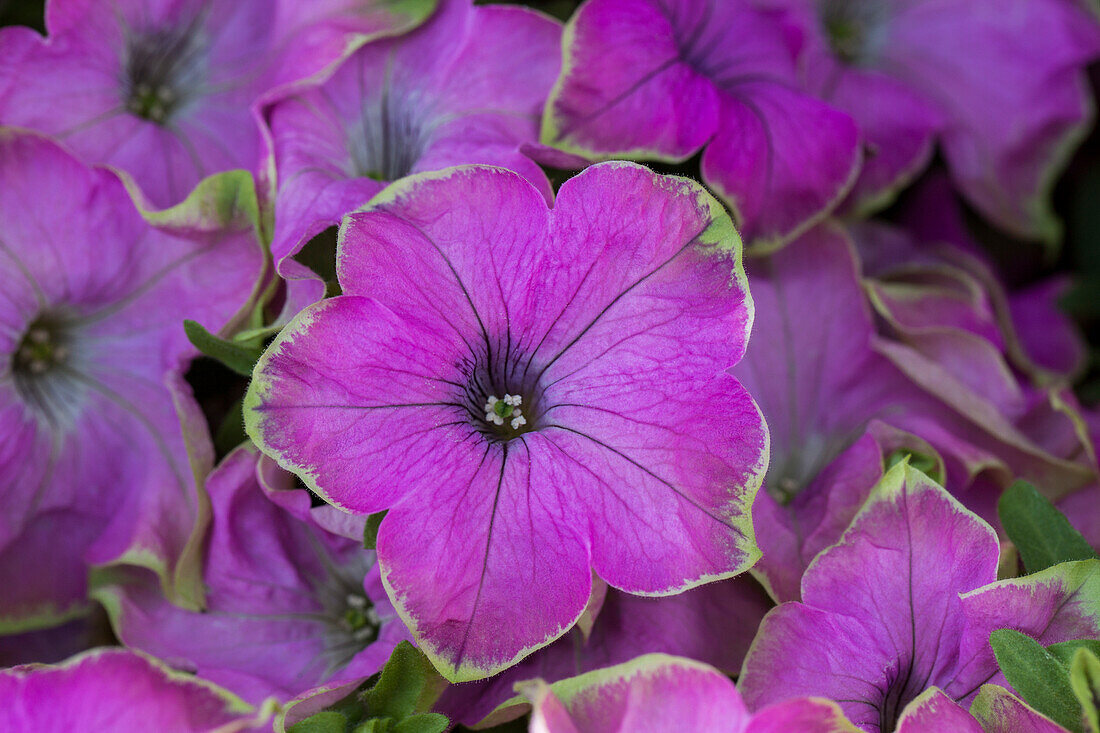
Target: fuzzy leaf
column 370, row 530
column 423, row 723
column 239, row 358
column 406, row 687
column 326, row 721
column 1065, row 651
column 1042, row 534
column 1084, row 679
column 1037, row 675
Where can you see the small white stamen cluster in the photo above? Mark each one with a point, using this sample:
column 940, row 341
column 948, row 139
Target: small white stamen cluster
column 36, row 363
column 359, row 603
column 514, row 401
column 163, row 97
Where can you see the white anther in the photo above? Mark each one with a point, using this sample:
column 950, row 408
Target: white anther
column 494, row 418
column 356, row 601
column 512, row 400
column 165, row 94
column 492, row 403
column 39, row 335
column 142, row 90
column 26, row 353
column 517, row 421
column 37, row 366
column 60, row 353
column 156, row 113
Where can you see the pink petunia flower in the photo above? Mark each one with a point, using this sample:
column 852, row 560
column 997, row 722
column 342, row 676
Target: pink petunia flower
column 532, row 394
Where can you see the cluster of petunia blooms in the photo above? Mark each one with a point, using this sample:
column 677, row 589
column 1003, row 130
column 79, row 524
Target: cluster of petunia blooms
column 516, row 453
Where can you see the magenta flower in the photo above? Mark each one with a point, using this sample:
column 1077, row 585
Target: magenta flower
column 162, row 89
column 533, row 394
column 999, row 85
column 714, row 623
column 466, row 87
column 906, row 601
column 995, row 710
column 116, row 690
column 657, row 693
column 824, row 376
column 661, row 79
column 287, row 606
column 93, row 463
column 1027, row 325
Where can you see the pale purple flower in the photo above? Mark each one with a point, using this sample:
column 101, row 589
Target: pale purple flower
column 1036, row 336
column 932, row 710
column 534, row 394
column 661, row 79
column 466, row 87
column 714, row 623
column 93, row 464
column 906, row 600
column 656, row 693
column 288, row 606
column 118, row 691
column 164, row 89
column 823, row 376
column 998, row 84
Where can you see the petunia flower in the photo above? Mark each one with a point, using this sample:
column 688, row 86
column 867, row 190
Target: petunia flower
column 1027, row 325
column 93, row 465
column 998, row 84
column 118, row 691
column 466, row 87
column 906, row 601
column 946, row 320
column 288, row 604
column 824, row 375
column 657, row 692
column 533, row 394
column 164, row 90
column 995, row 710
column 714, row 623
column 662, row 79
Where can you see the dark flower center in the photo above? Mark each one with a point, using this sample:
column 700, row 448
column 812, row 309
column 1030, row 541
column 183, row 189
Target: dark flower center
column 42, row 368
column 353, row 623
column 502, row 395
column 360, row 620
column 163, row 70
column 387, row 140
column 851, row 26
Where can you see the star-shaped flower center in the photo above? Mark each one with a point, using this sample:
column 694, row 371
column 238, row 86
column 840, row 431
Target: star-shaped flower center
column 360, row 620
column 163, row 70
column 44, row 368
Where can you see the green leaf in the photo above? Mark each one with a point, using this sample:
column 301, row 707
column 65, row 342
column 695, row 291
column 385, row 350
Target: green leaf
column 408, row 685
column 326, row 721
column 230, row 433
column 374, row 725
column 1037, row 675
column 370, row 531
column 423, row 723
column 928, row 465
column 1084, row 678
column 1040, row 532
column 1065, row 651
column 240, row 359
